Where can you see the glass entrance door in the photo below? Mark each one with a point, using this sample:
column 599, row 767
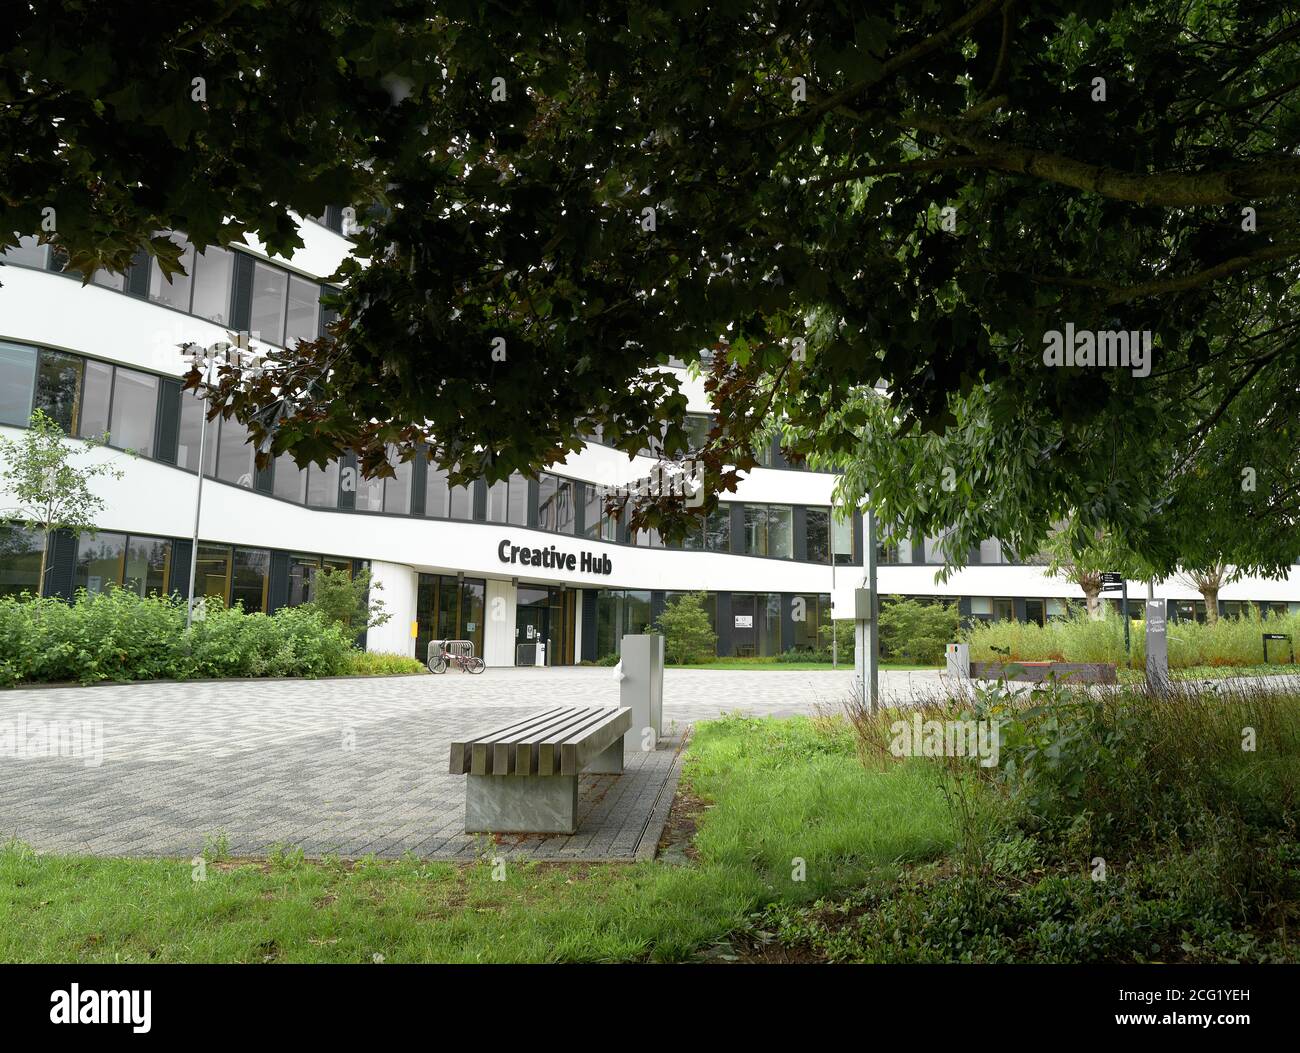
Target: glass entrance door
column 545, row 616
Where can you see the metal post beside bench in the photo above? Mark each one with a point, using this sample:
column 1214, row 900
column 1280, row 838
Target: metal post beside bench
column 523, row 777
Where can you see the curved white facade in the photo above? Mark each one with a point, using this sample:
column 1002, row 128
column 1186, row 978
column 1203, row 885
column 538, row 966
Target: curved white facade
column 410, row 551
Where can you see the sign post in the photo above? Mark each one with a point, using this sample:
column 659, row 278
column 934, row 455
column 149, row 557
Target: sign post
column 1112, row 582
column 866, row 636
column 1157, row 647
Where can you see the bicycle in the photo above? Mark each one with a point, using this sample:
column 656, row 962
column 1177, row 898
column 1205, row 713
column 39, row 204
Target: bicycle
column 465, row 663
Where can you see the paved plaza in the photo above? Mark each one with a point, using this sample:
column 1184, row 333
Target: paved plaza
column 350, row 767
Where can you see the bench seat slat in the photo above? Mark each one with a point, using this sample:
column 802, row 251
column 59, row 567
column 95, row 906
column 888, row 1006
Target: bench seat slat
column 460, row 750
column 558, row 740
column 576, row 751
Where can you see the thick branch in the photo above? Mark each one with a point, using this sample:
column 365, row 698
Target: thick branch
column 1166, row 189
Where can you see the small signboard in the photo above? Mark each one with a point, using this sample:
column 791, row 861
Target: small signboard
column 744, row 621
column 1279, row 636
column 1112, row 582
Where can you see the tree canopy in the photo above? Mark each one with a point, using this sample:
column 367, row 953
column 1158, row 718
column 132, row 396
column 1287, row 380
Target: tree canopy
column 827, row 201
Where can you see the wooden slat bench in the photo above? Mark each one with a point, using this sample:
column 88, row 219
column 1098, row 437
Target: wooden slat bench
column 523, row 777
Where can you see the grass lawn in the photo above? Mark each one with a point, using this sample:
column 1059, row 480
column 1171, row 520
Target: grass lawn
column 778, row 791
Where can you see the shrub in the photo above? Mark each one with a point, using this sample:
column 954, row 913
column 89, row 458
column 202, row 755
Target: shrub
column 343, row 598
column 379, row 663
column 915, row 632
column 117, row 635
column 688, row 637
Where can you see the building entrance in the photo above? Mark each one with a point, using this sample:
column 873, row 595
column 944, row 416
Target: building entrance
column 545, row 618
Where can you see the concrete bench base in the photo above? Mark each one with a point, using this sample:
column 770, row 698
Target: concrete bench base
column 523, row 804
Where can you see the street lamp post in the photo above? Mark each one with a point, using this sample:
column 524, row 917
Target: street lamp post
column 208, row 364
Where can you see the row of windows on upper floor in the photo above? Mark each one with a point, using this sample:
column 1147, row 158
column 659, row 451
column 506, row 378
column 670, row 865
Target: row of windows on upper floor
column 273, row 304
column 152, row 417
column 226, row 286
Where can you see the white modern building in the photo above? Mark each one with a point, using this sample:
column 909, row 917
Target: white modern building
column 461, row 563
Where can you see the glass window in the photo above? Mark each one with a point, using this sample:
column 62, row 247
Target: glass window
column 435, row 493
column 755, row 530
column 472, row 594
column 323, row 485
column 148, row 564
column 370, row 493
column 189, row 435
column 397, row 488
column 17, row 381
column 991, row 551
column 96, row 396
column 842, row 539
column 448, row 608
column 647, row 539
column 819, row 535
column 28, row 253
column 135, row 404
column 174, row 292
column 266, row 319
column 235, row 453
column 697, row 430
column 780, row 531
column 212, row 572
column 1003, row 609
column 99, row 561
column 717, row 529
column 58, row 387
column 20, row 559
column 593, row 511
column 517, row 509
column 248, row 579
column 212, row 275
column 109, row 280
column 304, row 311
column 498, row 500
column 547, row 501
column 461, row 501
column 302, row 573
column 981, row 606
column 289, row 481
column 936, row 548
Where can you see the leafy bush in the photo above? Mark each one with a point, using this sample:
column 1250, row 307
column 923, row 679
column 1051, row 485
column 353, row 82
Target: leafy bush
column 343, row 598
column 915, row 632
column 911, row 632
column 378, row 663
column 688, row 637
column 116, row 635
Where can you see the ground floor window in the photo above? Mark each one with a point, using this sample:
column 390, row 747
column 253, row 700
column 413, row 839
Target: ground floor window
column 756, row 629
column 128, row 561
column 618, row 613
column 20, row 560
column 810, row 615
column 449, row 608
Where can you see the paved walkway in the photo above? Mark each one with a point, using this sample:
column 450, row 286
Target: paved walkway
column 351, row 767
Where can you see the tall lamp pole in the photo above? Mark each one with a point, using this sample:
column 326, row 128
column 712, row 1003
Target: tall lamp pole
column 208, row 363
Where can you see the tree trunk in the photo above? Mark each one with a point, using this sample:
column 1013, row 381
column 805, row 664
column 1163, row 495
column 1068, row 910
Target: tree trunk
column 45, row 558
column 1210, row 593
column 1092, row 596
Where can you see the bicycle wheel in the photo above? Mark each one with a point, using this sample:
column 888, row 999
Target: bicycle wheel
column 475, row 665
column 438, row 664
